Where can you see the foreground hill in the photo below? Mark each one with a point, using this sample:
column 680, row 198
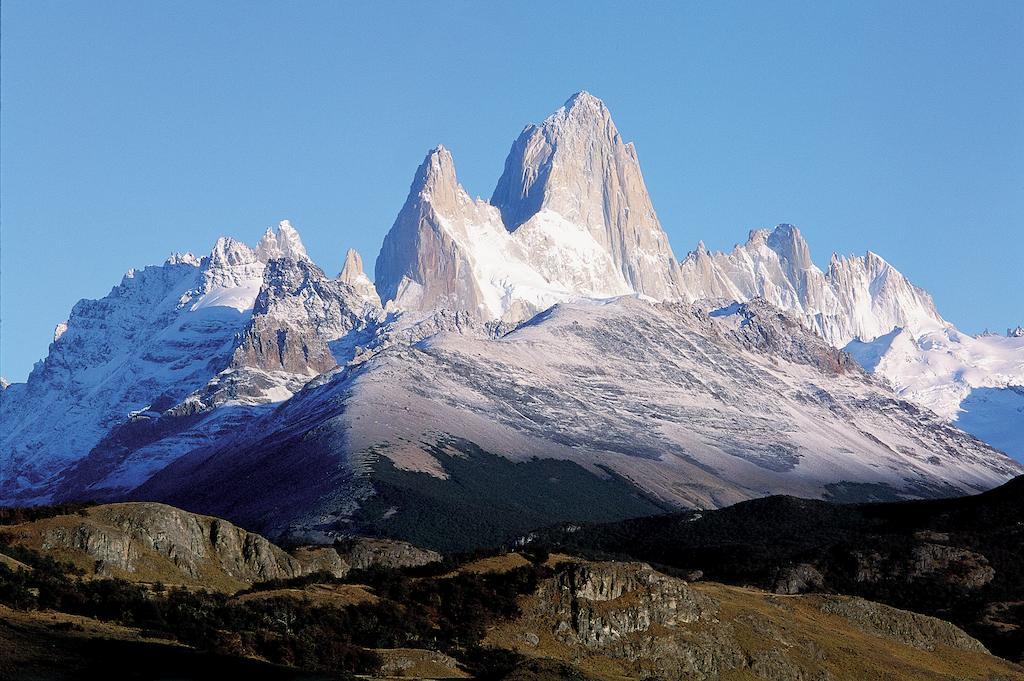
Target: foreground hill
column 506, row 616
column 152, row 543
column 959, row 559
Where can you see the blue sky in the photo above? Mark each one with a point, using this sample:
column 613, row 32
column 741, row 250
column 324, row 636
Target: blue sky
column 130, row 130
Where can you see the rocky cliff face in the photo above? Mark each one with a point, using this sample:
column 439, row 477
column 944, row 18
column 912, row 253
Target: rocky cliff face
column 150, row 542
column 598, row 605
column 446, row 250
column 574, row 168
column 154, row 542
column 296, row 317
column 626, row 620
column 570, row 217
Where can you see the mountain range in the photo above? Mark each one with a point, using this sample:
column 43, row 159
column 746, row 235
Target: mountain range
column 536, row 358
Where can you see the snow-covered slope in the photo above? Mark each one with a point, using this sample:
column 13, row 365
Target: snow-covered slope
column 687, row 405
column 160, row 334
column 974, row 381
column 865, row 305
column 242, row 326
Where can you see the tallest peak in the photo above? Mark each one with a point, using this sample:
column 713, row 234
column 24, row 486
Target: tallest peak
column 583, row 98
column 583, row 106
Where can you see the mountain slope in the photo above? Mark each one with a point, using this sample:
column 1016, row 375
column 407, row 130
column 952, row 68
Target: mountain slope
column 866, row 306
column 163, row 332
column 681, row 406
column 863, row 297
column 241, row 328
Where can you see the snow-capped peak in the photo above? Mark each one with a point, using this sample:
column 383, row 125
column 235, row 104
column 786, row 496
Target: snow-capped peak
column 186, row 258
column 575, row 168
column 285, row 244
column 228, row 252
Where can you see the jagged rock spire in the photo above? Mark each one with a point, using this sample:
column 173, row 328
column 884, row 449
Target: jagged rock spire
column 422, row 258
column 859, row 296
column 285, row 244
column 352, row 274
column 352, row 270
column 576, row 165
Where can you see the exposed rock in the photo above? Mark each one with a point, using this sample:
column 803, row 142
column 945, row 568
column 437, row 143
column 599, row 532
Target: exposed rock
column 910, row 628
column 799, row 579
column 416, row 663
column 361, row 553
column 623, row 620
column 447, row 251
column 576, row 166
column 321, row 559
column 286, row 244
column 155, row 542
column 966, row 569
column 352, row 274
column 597, row 604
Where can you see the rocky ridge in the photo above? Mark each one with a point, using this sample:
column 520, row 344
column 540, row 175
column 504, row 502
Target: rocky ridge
column 615, row 620
column 151, row 542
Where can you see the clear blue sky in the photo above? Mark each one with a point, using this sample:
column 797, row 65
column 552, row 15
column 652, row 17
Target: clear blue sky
column 130, row 130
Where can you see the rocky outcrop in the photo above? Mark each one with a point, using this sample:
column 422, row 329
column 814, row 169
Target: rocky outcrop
column 624, row 620
column 928, row 562
column 909, row 628
column 364, row 552
column 799, row 579
column 598, row 605
column 303, row 324
column 417, row 663
column 154, row 542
